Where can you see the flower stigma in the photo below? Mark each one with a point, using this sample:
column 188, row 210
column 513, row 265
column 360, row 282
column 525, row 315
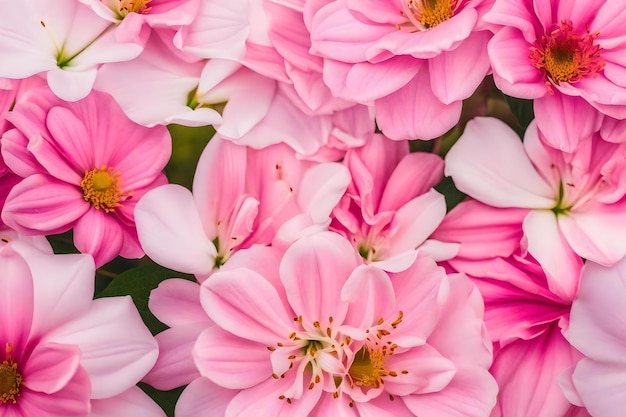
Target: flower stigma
column 10, row 379
column 566, row 56
column 101, row 187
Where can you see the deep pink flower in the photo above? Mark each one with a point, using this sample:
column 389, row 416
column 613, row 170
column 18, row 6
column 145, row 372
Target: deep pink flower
column 85, row 165
column 567, row 56
column 576, row 201
column 57, row 353
column 408, row 58
column 318, row 333
column 390, row 209
column 598, row 330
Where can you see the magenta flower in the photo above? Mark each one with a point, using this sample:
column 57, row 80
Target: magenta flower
column 407, row 58
column 57, row 356
column 567, row 56
column 85, row 165
column 318, row 333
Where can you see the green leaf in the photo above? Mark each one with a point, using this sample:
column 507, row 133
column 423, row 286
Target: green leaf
column 138, row 282
column 166, row 399
column 452, row 194
column 522, row 109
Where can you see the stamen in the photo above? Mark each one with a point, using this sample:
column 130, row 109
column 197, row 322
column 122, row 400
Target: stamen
column 426, row 14
column 101, row 187
column 10, row 379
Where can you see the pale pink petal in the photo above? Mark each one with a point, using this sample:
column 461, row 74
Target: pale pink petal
column 549, row 247
column 16, row 296
column 203, row 398
column 451, row 78
column 113, row 363
column 29, row 211
column 370, row 294
column 230, row 361
column 71, row 85
column 247, row 305
column 601, row 386
column 313, row 271
column 51, row 366
column 131, row 403
column 596, row 233
column 171, row 232
column 176, row 302
column 565, row 120
column 321, row 188
column 175, row 366
column 400, row 116
column 489, row 163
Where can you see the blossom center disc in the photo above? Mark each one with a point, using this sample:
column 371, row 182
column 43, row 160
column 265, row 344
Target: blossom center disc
column 368, row 368
column 566, row 56
column 101, row 187
column 430, row 13
column 132, row 6
column 10, row 381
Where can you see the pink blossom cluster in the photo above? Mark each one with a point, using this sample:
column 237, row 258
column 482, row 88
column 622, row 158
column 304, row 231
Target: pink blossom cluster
column 375, row 228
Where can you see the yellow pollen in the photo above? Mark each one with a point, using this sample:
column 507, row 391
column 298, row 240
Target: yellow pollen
column 10, row 379
column 368, row 368
column 134, row 6
column 430, row 13
column 101, row 187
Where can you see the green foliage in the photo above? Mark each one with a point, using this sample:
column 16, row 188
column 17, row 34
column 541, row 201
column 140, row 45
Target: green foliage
column 166, row 399
column 138, row 282
column 452, row 194
column 522, row 109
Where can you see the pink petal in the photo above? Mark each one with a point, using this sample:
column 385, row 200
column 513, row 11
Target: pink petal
column 230, row 361
column 29, row 211
column 171, row 232
column 16, row 297
column 371, row 296
column 321, row 188
column 549, row 247
column 51, row 366
column 400, row 116
column 313, row 271
column 132, row 402
column 489, row 163
column 99, row 234
column 203, row 398
column 113, row 364
column 71, row 85
column 450, row 78
column 16, row 156
column 244, row 303
column 176, row 302
column 175, row 366
column 601, row 386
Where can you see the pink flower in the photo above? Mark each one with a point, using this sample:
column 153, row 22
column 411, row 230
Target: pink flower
column 241, row 196
column 598, row 329
column 65, row 40
column 576, row 201
column 408, row 58
column 57, row 354
column 390, row 208
column 567, row 57
column 322, row 334
column 85, row 165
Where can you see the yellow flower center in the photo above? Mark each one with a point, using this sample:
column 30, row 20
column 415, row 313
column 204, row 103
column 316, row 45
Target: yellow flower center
column 10, row 379
column 430, row 13
column 133, row 6
column 368, row 368
column 566, row 56
column 101, row 187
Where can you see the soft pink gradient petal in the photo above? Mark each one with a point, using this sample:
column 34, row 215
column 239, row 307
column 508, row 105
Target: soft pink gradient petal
column 171, row 232
column 313, row 271
column 99, row 234
column 400, row 116
column 16, row 156
column 244, row 303
column 176, row 302
column 51, row 366
column 16, row 296
column 131, row 403
column 203, row 398
column 175, row 366
column 549, row 247
column 370, row 294
column 28, row 211
column 113, row 364
column 601, row 386
column 488, row 162
column 230, row 361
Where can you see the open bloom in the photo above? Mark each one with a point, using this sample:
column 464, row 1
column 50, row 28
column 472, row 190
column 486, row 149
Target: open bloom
column 84, row 166
column 319, row 333
column 567, row 56
column 63, row 354
column 390, row 209
column 408, row 58
column 576, row 205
